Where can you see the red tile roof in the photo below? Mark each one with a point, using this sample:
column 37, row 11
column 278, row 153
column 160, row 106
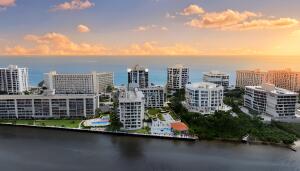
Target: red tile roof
column 179, row 126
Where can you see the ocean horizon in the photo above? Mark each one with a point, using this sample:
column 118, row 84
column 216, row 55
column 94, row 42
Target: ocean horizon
column 157, row 65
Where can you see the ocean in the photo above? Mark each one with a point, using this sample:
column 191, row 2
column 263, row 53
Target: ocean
column 157, row 65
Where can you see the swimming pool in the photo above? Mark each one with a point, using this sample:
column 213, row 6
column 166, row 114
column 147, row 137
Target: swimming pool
column 98, row 122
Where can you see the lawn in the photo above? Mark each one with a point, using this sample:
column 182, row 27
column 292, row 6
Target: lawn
column 59, row 123
column 140, row 131
column 153, row 111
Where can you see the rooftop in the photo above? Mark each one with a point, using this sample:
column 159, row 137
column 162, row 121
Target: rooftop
column 179, row 126
column 178, row 66
column 215, row 73
column 137, row 68
column 204, row 85
column 131, row 95
column 272, row 89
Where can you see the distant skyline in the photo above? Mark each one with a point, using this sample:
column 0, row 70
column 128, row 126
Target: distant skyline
column 149, row 27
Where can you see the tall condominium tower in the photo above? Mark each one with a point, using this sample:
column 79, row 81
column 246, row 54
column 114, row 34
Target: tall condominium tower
column 13, row 80
column 178, row 77
column 138, row 77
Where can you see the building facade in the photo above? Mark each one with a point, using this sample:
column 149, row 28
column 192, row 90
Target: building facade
column 217, row 77
column 92, row 83
column 286, row 79
column 47, row 106
column 105, row 79
column 13, row 80
column 250, row 78
column 131, row 109
column 277, row 102
column 178, row 77
column 204, row 97
column 255, row 98
column 155, row 96
column 138, row 77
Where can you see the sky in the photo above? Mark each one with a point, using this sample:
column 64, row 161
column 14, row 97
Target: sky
column 149, row 27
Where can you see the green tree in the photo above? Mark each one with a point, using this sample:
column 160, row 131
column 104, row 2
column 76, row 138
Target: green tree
column 115, row 124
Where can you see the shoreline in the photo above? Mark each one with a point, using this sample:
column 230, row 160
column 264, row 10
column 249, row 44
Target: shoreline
column 103, row 132
column 192, row 139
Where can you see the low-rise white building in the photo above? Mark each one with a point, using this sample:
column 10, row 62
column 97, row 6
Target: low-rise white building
column 217, row 77
column 204, row 97
column 47, row 106
column 277, row 102
column 155, row 96
column 131, row 109
column 255, row 98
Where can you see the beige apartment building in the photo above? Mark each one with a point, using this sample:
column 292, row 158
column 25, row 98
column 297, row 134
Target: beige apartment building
column 286, row 79
column 250, row 78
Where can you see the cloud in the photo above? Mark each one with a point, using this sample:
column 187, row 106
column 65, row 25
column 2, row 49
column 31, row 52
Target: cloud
column 55, row 44
column 192, row 10
column 266, row 24
column 83, row 29
column 169, row 16
column 6, row 3
column 236, row 20
column 222, row 19
column 154, row 48
column 73, row 5
column 150, row 27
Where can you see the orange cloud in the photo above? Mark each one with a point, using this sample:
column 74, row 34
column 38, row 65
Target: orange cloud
column 153, row 48
column 74, row 5
column 56, row 44
column 6, row 3
column 235, row 20
column 266, row 24
column 192, row 10
column 83, row 29
column 221, row 19
column 150, row 27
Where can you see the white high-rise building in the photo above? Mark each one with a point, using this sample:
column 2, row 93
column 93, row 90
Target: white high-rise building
column 178, row 77
column 92, row 83
column 204, row 97
column 155, row 96
column 13, row 80
column 47, row 106
column 250, row 78
column 138, row 77
column 131, row 109
column 217, row 77
column 277, row 102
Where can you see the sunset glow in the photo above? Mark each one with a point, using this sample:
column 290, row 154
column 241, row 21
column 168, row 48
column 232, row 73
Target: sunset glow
column 149, row 28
